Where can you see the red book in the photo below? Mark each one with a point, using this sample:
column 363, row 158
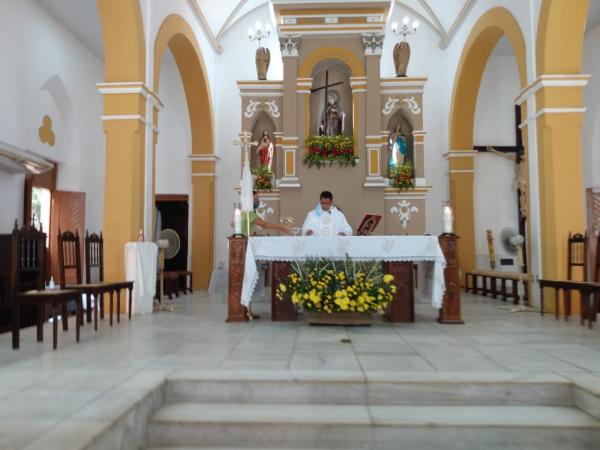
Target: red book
column 368, row 224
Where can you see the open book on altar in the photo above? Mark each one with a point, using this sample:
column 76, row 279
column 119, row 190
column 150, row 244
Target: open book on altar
column 368, row 224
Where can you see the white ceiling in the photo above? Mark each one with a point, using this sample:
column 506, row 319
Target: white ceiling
column 81, row 18
column 444, row 17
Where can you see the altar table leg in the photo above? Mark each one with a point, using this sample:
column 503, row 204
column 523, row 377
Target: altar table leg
column 281, row 310
column 402, row 307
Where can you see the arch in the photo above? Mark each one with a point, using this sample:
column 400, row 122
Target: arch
column 333, row 53
column 493, row 25
column 489, row 29
column 176, row 34
column 124, row 44
column 560, row 36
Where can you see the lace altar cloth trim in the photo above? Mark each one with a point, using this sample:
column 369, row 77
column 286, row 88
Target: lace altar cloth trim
column 359, row 248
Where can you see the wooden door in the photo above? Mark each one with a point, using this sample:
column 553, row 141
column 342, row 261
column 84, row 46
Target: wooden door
column 67, row 213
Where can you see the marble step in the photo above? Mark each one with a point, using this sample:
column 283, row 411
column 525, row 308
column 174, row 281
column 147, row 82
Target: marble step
column 269, row 426
column 374, row 388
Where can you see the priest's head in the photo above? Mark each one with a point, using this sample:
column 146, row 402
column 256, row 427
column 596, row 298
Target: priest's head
column 326, row 200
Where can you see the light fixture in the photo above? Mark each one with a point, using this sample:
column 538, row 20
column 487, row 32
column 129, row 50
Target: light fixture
column 402, row 49
column 263, row 55
column 259, row 32
column 405, row 29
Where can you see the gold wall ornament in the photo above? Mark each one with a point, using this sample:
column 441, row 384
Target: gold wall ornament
column 45, row 132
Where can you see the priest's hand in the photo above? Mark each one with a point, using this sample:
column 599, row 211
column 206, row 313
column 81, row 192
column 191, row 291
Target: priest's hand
column 310, row 232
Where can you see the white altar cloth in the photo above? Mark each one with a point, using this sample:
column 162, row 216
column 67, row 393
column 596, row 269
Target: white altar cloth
column 360, row 248
column 140, row 267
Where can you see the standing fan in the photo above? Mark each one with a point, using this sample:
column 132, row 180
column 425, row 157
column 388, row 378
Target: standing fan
column 172, row 249
column 169, row 244
column 513, row 242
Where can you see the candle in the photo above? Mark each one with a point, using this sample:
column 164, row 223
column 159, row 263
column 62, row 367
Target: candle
column 237, row 222
column 447, row 219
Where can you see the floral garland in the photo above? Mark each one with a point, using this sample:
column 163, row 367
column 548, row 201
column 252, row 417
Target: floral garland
column 263, row 178
column 329, row 149
column 402, row 177
column 324, row 285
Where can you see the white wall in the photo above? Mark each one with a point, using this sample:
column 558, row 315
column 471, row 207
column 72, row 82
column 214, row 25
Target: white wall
column 591, row 128
column 174, row 139
column 47, row 71
column 495, row 200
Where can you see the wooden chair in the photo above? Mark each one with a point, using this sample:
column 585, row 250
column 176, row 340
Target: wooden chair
column 94, row 258
column 27, row 271
column 69, row 257
column 576, row 257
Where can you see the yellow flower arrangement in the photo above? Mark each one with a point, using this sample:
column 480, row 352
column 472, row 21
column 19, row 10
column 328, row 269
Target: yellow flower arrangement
column 324, row 285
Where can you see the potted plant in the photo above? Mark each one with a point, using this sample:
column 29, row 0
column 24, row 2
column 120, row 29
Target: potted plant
column 338, row 292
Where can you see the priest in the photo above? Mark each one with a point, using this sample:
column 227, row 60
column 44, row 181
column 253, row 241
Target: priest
column 326, row 219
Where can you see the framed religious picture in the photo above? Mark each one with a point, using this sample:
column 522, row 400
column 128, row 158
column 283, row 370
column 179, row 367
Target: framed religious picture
column 368, row 224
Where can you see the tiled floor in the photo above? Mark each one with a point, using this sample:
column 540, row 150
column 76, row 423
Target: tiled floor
column 86, row 383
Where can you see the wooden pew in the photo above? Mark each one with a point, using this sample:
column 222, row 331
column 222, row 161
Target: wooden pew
column 514, row 278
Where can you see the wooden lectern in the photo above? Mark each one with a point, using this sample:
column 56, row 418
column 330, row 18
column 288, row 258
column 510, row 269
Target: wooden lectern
column 236, row 312
column 450, row 310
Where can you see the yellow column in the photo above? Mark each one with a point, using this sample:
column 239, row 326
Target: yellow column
column 124, row 129
column 203, row 214
column 560, row 114
column 461, row 172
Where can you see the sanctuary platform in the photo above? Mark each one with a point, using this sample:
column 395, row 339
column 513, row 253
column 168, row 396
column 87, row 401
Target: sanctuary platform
column 186, row 379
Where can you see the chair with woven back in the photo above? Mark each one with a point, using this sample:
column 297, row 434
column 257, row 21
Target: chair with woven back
column 69, row 259
column 577, row 245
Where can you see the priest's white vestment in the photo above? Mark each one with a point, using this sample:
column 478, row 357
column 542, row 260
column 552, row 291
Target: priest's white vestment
column 326, row 223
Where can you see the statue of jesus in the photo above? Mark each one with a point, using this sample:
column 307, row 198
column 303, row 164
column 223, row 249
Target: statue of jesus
column 265, row 150
column 333, row 117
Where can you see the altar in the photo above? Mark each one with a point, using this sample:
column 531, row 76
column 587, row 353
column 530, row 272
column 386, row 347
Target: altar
column 333, row 122
column 396, row 253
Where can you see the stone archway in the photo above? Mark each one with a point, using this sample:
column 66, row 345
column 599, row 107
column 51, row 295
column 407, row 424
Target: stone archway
column 176, row 34
column 489, row 29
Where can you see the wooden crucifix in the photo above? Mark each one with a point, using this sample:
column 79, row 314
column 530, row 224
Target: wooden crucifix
column 326, row 86
column 518, row 150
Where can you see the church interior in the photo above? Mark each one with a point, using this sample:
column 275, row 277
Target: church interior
column 324, row 224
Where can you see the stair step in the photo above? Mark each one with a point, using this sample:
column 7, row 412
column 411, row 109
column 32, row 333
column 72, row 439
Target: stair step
column 374, row 388
column 340, row 426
